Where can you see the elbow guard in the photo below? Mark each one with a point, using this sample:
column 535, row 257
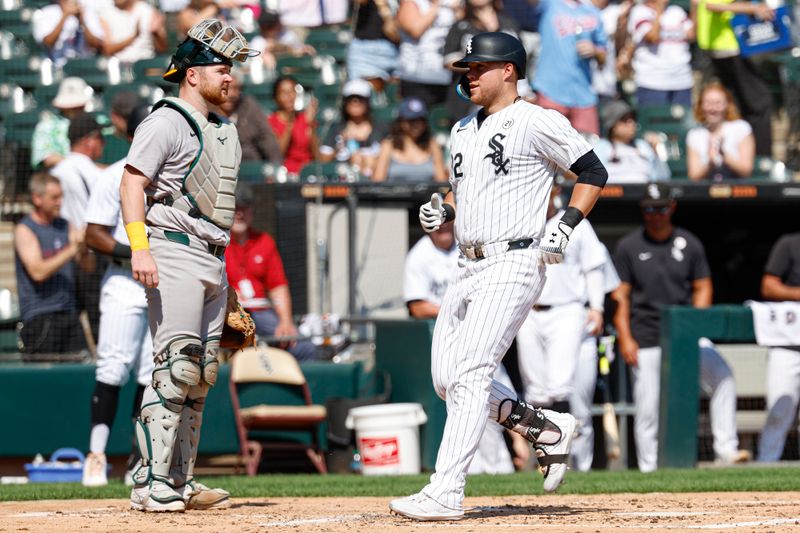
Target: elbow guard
column 590, row 170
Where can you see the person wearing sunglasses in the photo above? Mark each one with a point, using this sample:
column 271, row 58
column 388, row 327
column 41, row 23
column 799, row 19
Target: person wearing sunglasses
column 661, row 265
column 627, row 158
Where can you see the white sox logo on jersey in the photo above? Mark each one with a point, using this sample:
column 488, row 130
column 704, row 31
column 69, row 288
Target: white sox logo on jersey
column 496, row 156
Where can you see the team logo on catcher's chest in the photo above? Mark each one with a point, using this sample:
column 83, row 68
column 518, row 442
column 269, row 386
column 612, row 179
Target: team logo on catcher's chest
column 496, row 156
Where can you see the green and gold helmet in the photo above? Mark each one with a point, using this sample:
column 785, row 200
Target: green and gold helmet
column 209, row 42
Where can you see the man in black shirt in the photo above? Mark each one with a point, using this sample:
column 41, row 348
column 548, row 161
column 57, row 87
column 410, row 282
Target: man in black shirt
column 781, row 282
column 661, row 265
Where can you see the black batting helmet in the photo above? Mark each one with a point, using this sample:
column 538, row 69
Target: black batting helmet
column 495, row 46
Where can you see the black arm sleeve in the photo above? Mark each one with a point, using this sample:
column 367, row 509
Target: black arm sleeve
column 590, row 170
column 121, row 251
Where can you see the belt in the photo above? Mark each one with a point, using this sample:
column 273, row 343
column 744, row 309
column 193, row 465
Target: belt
column 124, row 263
column 481, row 251
column 537, row 307
column 217, row 250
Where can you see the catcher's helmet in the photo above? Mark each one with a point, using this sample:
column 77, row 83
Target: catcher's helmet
column 209, row 42
column 495, row 46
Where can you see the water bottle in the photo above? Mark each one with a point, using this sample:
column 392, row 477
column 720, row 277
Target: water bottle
column 355, row 464
column 342, row 150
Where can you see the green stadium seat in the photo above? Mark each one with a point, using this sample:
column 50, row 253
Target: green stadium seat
column 678, row 168
column 260, row 91
column 13, row 99
column 13, row 17
column 151, row 70
column 19, row 127
column 384, row 115
column 257, row 171
column 311, row 71
column 330, row 42
column 333, row 171
column 23, row 36
column 148, row 93
column 27, row 72
column 98, row 72
column 44, row 94
column 440, row 120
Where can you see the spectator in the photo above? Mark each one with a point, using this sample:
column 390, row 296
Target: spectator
column 50, row 142
column 77, row 172
column 781, row 282
column 723, row 145
column 604, row 77
column 478, row 16
column 662, row 69
column 255, row 270
column 661, row 265
column 372, row 54
column 355, row 138
column 45, row 247
column 410, row 154
column 295, row 129
column 300, row 15
column 133, row 30
column 124, row 343
column 572, row 36
column 737, row 73
column 627, row 159
column 424, row 25
column 256, row 137
column 79, row 175
column 117, row 143
column 63, row 30
column 196, row 11
column 276, row 40
column 430, row 264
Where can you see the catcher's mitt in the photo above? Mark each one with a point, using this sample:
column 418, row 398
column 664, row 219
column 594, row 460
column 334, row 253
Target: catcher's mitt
column 239, row 329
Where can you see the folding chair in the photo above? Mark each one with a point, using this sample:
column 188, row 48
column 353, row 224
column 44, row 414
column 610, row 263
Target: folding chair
column 259, row 374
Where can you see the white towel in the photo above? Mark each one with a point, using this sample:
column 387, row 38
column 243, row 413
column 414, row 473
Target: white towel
column 776, row 323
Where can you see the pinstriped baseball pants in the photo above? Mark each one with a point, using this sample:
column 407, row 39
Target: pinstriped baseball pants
column 480, row 315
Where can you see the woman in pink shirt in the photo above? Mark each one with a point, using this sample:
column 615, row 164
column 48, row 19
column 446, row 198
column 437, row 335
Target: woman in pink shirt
column 295, row 129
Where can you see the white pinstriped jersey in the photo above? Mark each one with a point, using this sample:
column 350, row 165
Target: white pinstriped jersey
column 502, row 172
column 104, row 207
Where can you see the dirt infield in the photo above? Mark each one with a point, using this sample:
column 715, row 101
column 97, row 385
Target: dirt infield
column 760, row 511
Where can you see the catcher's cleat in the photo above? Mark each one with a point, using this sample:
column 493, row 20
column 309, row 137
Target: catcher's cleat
column 156, row 497
column 553, row 458
column 201, row 498
column 422, row 507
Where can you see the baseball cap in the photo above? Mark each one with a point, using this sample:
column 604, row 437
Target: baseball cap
column 137, row 116
column 72, row 92
column 82, row 126
column 656, row 194
column 124, row 102
column 412, row 108
column 244, row 196
column 357, row 87
column 613, row 112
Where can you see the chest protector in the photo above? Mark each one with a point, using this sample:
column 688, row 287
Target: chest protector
column 209, row 186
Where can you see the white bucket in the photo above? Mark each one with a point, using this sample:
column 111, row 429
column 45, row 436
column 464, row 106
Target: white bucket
column 388, row 437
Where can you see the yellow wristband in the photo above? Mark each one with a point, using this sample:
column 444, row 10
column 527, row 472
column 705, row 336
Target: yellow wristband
column 137, row 235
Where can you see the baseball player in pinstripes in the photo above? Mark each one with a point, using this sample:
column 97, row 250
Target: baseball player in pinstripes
column 503, row 160
column 186, row 160
column 124, row 341
column 549, row 341
column 585, row 379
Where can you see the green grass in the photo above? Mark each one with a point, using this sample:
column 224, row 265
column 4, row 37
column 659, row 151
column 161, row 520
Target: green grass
column 281, row 485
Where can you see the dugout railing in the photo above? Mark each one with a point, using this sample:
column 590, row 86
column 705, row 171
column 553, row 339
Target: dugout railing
column 681, row 328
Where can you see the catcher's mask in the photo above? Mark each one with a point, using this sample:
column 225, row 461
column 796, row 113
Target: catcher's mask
column 209, row 42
